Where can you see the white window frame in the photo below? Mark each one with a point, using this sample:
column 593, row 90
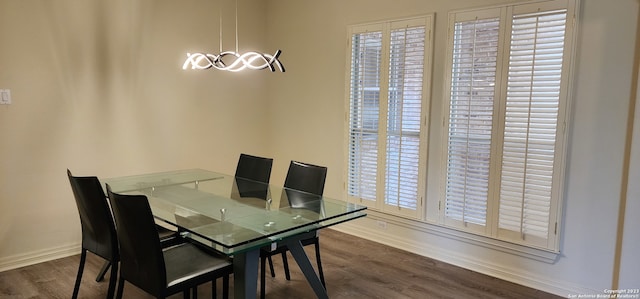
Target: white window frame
column 491, row 229
column 380, row 203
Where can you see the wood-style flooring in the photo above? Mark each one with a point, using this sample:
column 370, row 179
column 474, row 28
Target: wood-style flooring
column 353, row 267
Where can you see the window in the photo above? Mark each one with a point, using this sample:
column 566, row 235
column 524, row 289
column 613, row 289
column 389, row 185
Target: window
column 387, row 101
column 508, row 78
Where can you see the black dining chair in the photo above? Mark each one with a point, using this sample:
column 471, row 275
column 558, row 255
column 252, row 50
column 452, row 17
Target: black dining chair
column 308, row 178
column 159, row 271
column 98, row 230
column 252, row 177
column 167, row 236
column 254, row 168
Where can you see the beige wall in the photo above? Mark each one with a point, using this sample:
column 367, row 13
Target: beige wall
column 97, row 88
column 308, row 106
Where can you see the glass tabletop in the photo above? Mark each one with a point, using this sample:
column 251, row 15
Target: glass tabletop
column 232, row 214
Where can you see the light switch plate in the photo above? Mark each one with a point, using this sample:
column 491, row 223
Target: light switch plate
column 5, row 97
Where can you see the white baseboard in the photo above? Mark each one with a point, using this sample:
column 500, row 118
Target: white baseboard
column 514, row 275
column 519, row 276
column 39, row 256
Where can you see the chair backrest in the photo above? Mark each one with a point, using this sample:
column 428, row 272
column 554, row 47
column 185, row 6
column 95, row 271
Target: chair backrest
column 142, row 261
column 250, row 188
column 303, row 200
column 254, row 168
column 98, row 229
column 306, row 177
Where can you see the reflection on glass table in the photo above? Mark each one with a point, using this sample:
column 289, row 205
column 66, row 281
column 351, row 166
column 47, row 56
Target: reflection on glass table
column 237, row 216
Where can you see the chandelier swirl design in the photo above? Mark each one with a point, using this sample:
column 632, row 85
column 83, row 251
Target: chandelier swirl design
column 249, row 60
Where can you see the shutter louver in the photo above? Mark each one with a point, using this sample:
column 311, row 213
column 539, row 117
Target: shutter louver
column 364, row 113
column 475, row 50
column 403, row 116
column 531, row 122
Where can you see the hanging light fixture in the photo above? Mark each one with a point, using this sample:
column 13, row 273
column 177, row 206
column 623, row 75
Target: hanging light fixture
column 233, row 61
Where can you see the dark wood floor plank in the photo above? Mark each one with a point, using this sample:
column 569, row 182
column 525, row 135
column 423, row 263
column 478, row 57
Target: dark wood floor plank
column 354, row 268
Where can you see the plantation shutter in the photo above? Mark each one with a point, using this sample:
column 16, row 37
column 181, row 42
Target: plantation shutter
column 475, row 51
column 364, row 114
column 508, row 103
column 387, row 116
column 406, row 65
column 531, row 123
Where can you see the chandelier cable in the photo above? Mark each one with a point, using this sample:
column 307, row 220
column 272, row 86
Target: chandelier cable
column 237, row 26
column 233, row 61
column 220, row 29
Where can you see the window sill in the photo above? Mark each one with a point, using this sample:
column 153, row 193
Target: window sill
column 539, row 254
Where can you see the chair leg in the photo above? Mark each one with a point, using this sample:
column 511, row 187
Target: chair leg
column 195, row 292
column 112, row 280
column 186, row 294
column 214, row 289
column 317, row 243
column 76, row 288
column 103, row 271
column 120, row 288
column 225, row 287
column 263, row 281
column 286, row 266
column 273, row 273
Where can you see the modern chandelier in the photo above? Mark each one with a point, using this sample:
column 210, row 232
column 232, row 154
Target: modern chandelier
column 233, row 61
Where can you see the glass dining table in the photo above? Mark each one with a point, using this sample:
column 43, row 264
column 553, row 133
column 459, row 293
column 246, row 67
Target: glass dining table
column 239, row 217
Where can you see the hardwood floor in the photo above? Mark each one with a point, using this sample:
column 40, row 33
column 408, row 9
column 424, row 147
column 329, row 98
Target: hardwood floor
column 354, row 268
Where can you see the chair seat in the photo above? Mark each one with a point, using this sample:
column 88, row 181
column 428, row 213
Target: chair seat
column 165, row 233
column 160, row 271
column 310, row 179
column 266, row 251
column 310, row 241
column 98, row 229
column 186, row 261
column 313, row 239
